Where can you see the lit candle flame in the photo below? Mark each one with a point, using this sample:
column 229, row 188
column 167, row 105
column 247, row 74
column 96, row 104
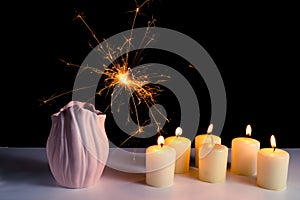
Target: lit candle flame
column 178, row 131
column 161, row 140
column 273, row 142
column 248, row 130
column 210, row 128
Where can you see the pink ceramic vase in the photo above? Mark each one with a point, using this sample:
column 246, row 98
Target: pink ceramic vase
column 77, row 146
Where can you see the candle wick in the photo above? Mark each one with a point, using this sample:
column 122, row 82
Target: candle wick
column 161, row 145
column 274, row 149
column 212, row 140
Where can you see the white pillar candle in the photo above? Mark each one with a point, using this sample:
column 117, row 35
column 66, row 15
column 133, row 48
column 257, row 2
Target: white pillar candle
column 244, row 154
column 160, row 164
column 182, row 146
column 205, row 138
column 213, row 166
column 272, row 167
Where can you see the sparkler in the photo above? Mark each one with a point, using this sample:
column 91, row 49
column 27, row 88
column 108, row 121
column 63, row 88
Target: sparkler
column 119, row 76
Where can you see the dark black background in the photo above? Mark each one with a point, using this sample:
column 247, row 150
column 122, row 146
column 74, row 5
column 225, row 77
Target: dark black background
column 254, row 45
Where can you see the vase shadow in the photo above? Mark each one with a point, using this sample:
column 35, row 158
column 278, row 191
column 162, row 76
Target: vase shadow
column 31, row 167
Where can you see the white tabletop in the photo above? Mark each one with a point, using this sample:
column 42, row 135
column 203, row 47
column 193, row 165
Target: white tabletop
column 24, row 174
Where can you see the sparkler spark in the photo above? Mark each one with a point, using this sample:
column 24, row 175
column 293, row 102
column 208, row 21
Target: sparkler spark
column 119, row 76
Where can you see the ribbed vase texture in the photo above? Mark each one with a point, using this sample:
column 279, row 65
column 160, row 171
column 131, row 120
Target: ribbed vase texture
column 77, row 147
